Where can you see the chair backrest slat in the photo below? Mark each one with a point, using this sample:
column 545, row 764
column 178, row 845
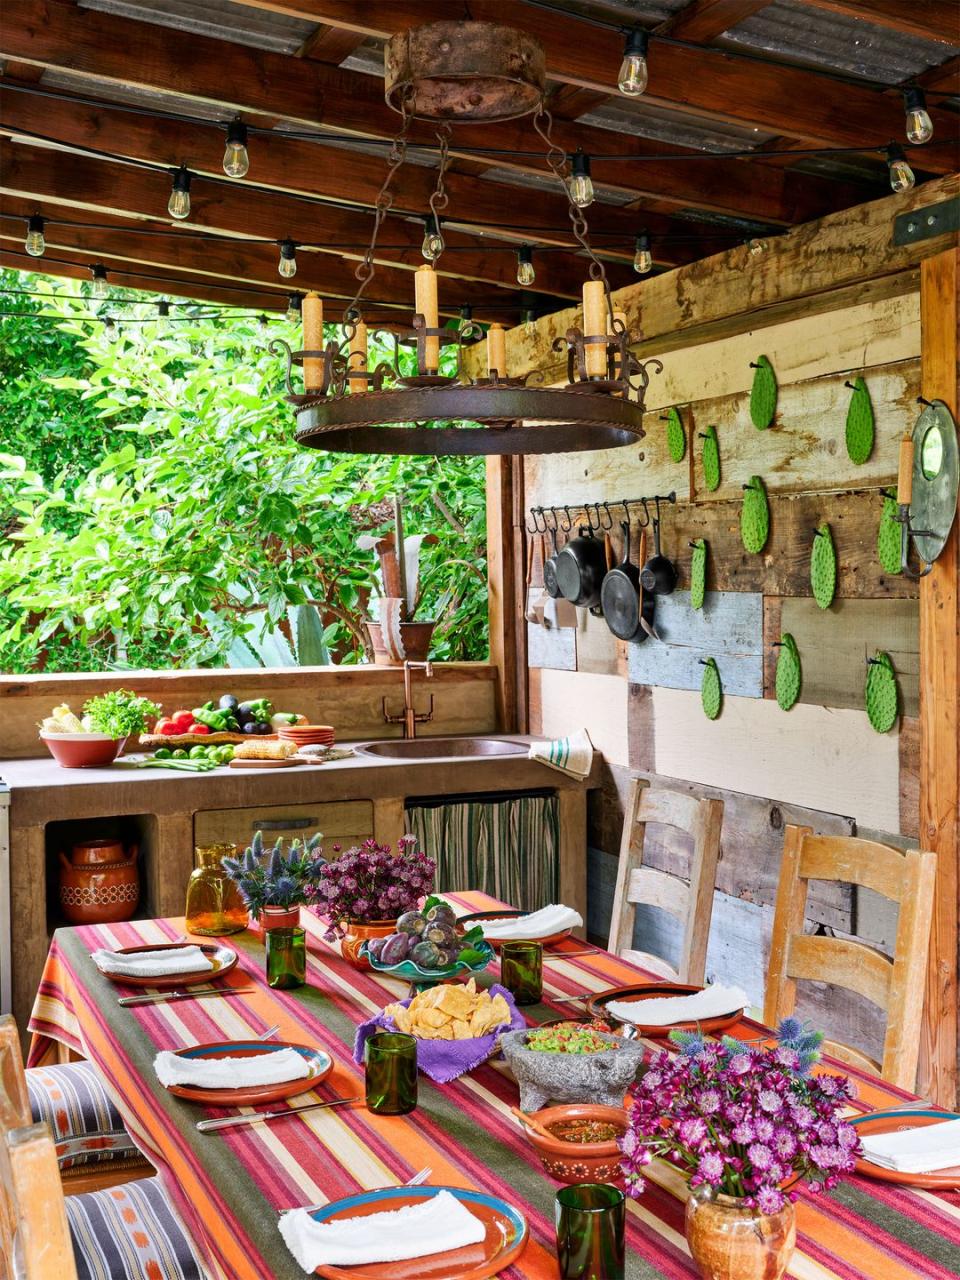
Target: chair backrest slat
column 658, row 889
column 14, row 1099
column 844, row 963
column 863, row 862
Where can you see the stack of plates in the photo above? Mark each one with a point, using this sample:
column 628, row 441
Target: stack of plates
column 307, row 735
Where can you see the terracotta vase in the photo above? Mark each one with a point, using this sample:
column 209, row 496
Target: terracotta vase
column 731, row 1242
column 279, row 918
column 359, row 931
column 99, row 883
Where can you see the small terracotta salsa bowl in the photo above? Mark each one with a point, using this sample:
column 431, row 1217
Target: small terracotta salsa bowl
column 578, row 1161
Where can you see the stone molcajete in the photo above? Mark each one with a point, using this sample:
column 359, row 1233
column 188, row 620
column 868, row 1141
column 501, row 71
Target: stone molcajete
column 602, row 1077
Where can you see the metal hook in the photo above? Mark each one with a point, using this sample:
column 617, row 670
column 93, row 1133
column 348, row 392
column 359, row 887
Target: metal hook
column 606, row 507
column 849, row 384
column 596, row 509
column 536, row 527
column 569, row 525
column 924, row 401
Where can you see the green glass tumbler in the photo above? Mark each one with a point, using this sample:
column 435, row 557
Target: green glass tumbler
column 286, row 958
column 391, row 1070
column 521, row 971
column 590, row 1218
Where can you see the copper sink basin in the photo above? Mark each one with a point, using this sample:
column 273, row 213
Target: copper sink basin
column 445, row 748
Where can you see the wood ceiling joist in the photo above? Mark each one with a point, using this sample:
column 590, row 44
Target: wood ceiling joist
column 54, row 34
column 779, row 99
column 927, row 19
column 944, row 79
column 703, row 20
column 330, row 44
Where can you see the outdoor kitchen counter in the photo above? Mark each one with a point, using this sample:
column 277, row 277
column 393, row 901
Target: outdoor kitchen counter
column 165, row 805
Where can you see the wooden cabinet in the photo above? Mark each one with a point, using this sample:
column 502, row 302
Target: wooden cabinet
column 344, row 822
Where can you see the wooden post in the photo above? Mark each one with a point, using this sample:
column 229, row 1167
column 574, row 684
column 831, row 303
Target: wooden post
column 940, row 704
column 507, row 650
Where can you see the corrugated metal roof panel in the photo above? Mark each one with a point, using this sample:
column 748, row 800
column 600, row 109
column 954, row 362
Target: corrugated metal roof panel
column 645, row 13
column 789, row 29
column 239, row 23
column 133, row 95
column 677, row 128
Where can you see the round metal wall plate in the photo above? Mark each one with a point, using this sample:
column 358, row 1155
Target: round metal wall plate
column 936, row 478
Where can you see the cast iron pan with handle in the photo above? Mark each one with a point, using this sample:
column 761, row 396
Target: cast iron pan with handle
column 581, row 566
column 659, row 575
column 627, row 608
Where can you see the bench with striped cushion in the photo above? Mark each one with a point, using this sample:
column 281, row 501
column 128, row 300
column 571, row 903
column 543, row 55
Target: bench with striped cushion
column 130, row 1233
column 86, row 1126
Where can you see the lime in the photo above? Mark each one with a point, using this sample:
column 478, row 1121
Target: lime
column 179, row 754
column 162, row 753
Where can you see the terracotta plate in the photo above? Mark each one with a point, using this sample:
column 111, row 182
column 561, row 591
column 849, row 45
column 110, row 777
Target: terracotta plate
column 891, row 1122
column 506, row 1236
column 647, row 991
column 478, row 917
column 321, row 1064
column 223, row 959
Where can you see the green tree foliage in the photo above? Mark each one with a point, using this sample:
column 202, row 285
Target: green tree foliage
column 156, row 511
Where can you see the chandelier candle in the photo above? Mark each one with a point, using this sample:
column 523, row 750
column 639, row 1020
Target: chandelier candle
column 497, row 350
column 358, row 358
column 594, row 322
column 426, row 305
column 312, row 307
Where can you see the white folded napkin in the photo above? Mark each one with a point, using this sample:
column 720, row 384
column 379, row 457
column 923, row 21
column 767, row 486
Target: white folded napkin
column 435, row 1226
column 231, row 1073
column 537, row 924
column 922, row 1150
column 664, row 1011
column 152, row 964
column 572, row 755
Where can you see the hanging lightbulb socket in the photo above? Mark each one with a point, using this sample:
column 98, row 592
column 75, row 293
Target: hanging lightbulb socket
column 178, row 206
column 902, row 177
column 919, row 124
column 580, row 183
column 642, row 254
column 632, row 80
column 236, row 158
column 35, row 242
column 526, row 274
column 100, row 285
column 433, row 245
column 294, row 307
column 163, row 309
column 287, row 265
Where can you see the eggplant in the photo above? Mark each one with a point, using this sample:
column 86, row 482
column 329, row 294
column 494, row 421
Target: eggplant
column 249, row 727
column 228, row 702
column 375, row 947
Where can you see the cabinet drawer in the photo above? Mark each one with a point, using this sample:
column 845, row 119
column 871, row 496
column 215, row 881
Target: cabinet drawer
column 344, row 822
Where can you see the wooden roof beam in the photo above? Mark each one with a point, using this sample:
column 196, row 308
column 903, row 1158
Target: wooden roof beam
column 927, row 19
column 703, row 20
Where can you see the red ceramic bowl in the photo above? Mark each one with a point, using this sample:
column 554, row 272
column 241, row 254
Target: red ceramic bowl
column 83, row 750
column 578, row 1161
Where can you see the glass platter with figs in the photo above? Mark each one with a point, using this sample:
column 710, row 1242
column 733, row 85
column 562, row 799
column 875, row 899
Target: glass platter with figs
column 428, row 945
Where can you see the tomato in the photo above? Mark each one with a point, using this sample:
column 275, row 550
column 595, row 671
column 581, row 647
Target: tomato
column 183, row 720
column 165, row 727
column 199, row 728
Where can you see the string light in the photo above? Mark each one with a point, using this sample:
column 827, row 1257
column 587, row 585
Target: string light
column 901, row 175
column 35, row 242
column 756, row 247
column 633, row 69
column 100, row 286
column 525, row 272
column 287, row 265
column 163, row 314
column 642, row 256
column 178, row 206
column 433, row 245
column 236, row 158
column 919, row 124
column 110, row 327
column 294, row 307
column 580, row 184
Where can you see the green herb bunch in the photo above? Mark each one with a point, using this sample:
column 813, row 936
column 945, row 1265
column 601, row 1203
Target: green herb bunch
column 120, row 713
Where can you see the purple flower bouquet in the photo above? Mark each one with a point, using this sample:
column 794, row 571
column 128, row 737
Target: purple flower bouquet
column 444, row 1060
column 371, row 882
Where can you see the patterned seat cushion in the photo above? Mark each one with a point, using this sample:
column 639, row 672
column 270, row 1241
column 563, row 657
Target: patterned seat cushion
column 86, row 1126
column 130, row 1233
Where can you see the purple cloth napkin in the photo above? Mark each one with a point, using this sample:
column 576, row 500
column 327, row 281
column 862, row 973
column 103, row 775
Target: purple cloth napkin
column 444, row 1060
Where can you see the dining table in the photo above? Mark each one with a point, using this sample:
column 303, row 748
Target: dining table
column 230, row 1186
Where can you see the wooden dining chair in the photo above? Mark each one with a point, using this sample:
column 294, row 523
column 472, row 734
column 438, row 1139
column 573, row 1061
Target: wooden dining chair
column 127, row 1233
column 895, row 985
column 689, row 902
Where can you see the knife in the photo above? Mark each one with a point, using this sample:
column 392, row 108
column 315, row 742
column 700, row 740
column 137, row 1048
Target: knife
column 126, row 1001
column 226, row 1122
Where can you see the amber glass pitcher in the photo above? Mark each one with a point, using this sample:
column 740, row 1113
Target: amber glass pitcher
column 214, row 903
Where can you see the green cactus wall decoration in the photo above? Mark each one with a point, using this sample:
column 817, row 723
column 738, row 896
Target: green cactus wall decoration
column 859, row 432
column 763, row 394
column 823, row 567
column 698, row 574
column 888, row 536
column 711, row 458
column 754, row 516
column 789, row 677
column 676, row 435
column 711, row 689
column 880, row 693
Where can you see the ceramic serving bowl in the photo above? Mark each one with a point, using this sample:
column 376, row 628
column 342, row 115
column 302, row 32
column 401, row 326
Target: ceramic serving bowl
column 602, row 1077
column 413, row 973
column 578, row 1161
column 83, row 750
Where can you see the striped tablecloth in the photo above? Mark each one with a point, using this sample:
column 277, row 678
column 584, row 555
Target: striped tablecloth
column 229, row 1186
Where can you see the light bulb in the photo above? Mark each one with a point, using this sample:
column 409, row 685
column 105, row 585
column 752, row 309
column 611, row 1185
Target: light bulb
column 433, row 244
column 287, row 265
column 236, row 159
column 633, row 69
column 110, row 327
column 178, row 206
column 35, row 243
column 901, row 175
column 642, row 257
column 919, row 124
column 580, row 184
column 525, row 272
column 293, row 308
column 100, row 286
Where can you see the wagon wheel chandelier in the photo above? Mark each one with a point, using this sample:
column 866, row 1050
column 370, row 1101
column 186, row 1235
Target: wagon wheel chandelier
column 449, row 73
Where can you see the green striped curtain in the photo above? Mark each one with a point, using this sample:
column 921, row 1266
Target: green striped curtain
column 507, row 848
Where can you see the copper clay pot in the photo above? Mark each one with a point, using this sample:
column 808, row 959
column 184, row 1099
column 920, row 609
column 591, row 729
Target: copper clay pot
column 730, row 1242
column 96, row 888
column 358, row 932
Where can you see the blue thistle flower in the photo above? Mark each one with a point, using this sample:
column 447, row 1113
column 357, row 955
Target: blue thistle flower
column 275, row 865
column 250, row 860
column 257, row 844
column 690, row 1043
column 284, row 890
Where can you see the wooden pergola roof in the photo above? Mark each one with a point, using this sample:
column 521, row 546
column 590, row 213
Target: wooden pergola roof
column 100, row 100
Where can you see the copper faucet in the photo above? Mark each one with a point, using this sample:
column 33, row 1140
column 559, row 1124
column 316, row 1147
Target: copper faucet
column 410, row 717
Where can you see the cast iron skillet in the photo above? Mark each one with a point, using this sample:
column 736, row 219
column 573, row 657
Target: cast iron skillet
column 625, row 606
column 581, row 566
column 659, row 575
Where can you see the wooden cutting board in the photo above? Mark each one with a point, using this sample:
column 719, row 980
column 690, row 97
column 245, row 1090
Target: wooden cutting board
column 268, row 764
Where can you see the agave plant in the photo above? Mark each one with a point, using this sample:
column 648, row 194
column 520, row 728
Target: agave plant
column 274, row 878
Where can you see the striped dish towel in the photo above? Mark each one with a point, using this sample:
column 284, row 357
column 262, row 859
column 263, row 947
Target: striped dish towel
column 573, row 755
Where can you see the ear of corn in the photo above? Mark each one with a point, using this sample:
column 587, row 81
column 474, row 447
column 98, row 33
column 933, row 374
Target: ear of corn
column 262, row 749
